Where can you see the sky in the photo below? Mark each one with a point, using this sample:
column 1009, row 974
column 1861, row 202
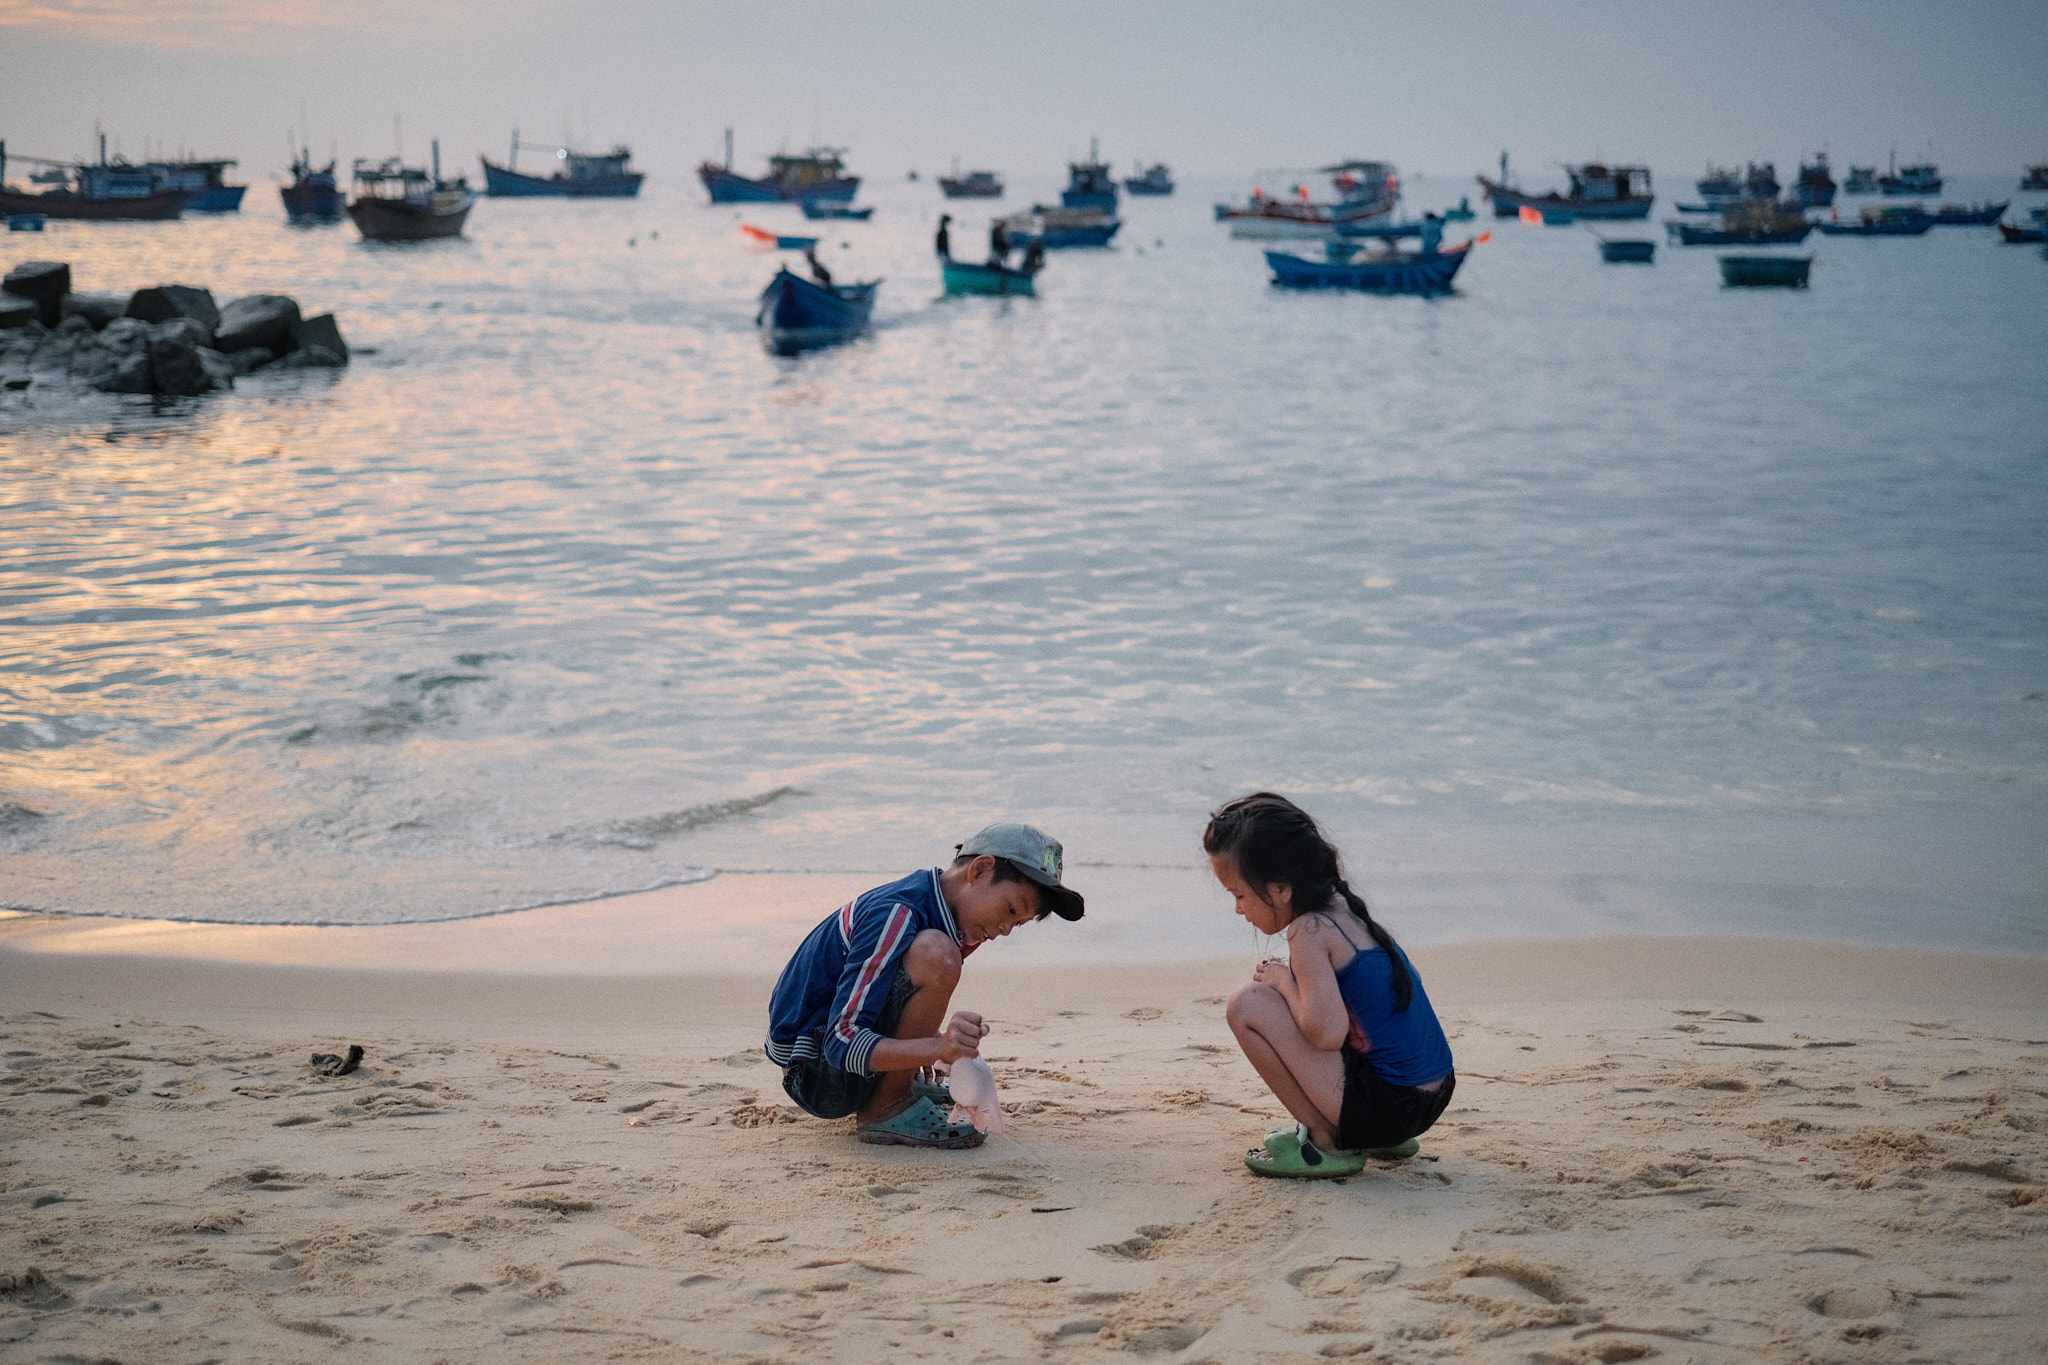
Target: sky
column 1213, row 88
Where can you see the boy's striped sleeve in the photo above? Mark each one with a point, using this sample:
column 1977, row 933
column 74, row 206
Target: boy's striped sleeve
column 881, row 936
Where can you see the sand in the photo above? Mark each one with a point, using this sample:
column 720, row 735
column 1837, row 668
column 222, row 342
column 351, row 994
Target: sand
column 1670, row 1150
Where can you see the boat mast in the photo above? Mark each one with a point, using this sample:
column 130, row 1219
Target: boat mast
column 513, row 160
column 436, row 145
column 728, row 149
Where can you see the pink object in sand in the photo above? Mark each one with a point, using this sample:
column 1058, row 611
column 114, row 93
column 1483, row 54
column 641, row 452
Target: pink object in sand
column 974, row 1095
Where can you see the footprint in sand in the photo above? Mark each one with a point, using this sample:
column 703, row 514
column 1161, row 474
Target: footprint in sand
column 1143, row 1246
column 1515, row 1281
column 1344, row 1276
column 1145, row 1013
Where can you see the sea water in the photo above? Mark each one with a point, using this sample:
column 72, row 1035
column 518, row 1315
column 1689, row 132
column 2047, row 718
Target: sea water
column 1590, row 599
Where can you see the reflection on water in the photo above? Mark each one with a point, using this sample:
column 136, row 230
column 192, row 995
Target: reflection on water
column 568, row 588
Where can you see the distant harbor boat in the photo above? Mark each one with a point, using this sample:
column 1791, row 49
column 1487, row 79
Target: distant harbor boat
column 1368, row 190
column 1753, row 222
column 1898, row 220
column 797, row 314
column 399, row 203
column 203, row 182
column 1597, row 191
column 973, row 185
column 1628, row 251
column 1862, row 180
column 819, row 173
column 1815, row 188
column 1155, row 179
column 1720, row 182
column 1978, row 215
column 1053, row 228
column 1780, row 272
column 1924, row 178
column 814, row 209
column 2036, row 178
column 313, row 196
column 577, row 175
column 2013, row 236
column 1388, row 273
column 110, row 191
column 1090, row 183
column 1761, row 180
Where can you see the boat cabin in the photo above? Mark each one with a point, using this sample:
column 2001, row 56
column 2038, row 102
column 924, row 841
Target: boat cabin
column 815, row 166
column 1595, row 182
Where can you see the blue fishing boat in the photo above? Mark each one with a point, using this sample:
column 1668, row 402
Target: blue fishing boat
column 1597, row 191
column 967, row 277
column 1461, row 214
column 1394, row 273
column 2013, row 236
column 1755, row 222
column 204, row 184
column 1090, row 183
column 577, row 175
column 1815, row 188
column 815, row 210
column 1628, row 250
column 819, row 173
column 1054, row 228
column 797, row 314
column 1898, row 181
column 1782, row 272
column 1155, row 179
column 1981, row 215
column 1906, row 220
column 33, row 222
column 313, row 196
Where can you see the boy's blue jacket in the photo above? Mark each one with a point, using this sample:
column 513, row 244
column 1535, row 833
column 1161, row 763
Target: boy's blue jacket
column 829, row 997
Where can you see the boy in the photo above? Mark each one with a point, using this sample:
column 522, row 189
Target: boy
column 855, row 1016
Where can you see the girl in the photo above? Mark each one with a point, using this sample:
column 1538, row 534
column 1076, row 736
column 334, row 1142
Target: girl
column 1342, row 1031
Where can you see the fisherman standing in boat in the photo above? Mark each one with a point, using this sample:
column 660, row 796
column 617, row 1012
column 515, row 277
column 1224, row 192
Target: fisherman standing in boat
column 943, row 243
column 818, row 270
column 1432, row 234
column 998, row 243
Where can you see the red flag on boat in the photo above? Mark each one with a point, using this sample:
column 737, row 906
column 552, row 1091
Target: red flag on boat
column 758, row 234
column 1485, row 237
column 1529, row 215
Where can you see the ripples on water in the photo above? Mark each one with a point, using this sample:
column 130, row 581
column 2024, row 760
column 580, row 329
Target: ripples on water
column 1587, row 579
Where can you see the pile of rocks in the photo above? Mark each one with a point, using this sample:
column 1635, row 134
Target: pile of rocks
column 169, row 339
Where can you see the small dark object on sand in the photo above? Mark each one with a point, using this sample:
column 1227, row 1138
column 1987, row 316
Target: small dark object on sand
column 327, row 1064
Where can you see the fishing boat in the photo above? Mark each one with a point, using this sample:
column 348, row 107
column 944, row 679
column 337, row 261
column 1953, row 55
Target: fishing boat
column 1598, row 191
column 2036, row 178
column 1461, row 214
column 1720, row 182
column 973, row 185
column 25, row 222
column 818, row 173
column 1899, row 181
column 577, row 175
column 1760, row 181
column 967, row 277
column 815, row 210
column 1862, row 180
column 1749, row 272
column 1752, row 222
column 1628, row 250
column 399, row 203
column 797, row 314
column 1379, row 229
column 112, row 191
column 1367, row 190
column 2014, row 236
column 313, row 196
column 1053, row 228
column 1154, row 180
column 1090, row 183
column 1902, row 220
column 1976, row 215
column 1815, row 187
column 1376, row 273
column 204, row 184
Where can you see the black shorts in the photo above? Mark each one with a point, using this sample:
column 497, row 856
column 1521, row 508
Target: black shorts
column 824, row 1091
column 1377, row 1114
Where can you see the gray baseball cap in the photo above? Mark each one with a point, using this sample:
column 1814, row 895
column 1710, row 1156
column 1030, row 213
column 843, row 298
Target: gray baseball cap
column 1036, row 854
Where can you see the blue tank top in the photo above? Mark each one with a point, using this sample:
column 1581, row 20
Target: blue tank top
column 1406, row 1047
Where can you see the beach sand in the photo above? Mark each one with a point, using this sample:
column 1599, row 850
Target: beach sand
column 1660, row 1149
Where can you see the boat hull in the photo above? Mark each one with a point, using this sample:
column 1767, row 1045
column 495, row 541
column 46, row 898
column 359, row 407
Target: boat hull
column 154, row 208
column 1984, row 216
column 502, row 182
column 956, row 189
column 312, row 203
column 395, row 220
column 1620, row 251
column 1690, row 234
column 1509, row 203
column 1913, row 228
column 2018, row 235
column 1057, row 237
column 966, row 277
column 726, row 187
column 1908, row 189
column 1146, row 190
column 215, row 199
column 1408, row 274
column 1814, row 196
column 1766, row 272
column 797, row 314
column 1101, row 200
column 814, row 209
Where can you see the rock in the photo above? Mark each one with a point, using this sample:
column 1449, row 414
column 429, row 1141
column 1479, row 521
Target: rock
column 16, row 311
column 47, row 282
column 74, row 326
column 124, row 334
column 183, row 330
column 16, row 382
column 265, row 320
column 321, row 335
column 220, row 371
column 123, row 374
column 165, row 301
column 249, row 361
column 97, row 309
column 177, row 365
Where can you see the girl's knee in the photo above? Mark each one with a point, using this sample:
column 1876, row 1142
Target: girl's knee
column 1249, row 1002
column 934, row 960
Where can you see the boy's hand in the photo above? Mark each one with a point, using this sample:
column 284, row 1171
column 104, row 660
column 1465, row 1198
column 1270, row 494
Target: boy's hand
column 962, row 1037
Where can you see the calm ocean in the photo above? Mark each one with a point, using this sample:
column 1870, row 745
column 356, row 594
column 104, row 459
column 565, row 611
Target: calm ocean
column 1591, row 599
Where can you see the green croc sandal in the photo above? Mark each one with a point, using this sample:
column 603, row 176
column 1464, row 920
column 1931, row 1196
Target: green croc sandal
column 928, row 1086
column 919, row 1124
column 1291, row 1156
column 1400, row 1151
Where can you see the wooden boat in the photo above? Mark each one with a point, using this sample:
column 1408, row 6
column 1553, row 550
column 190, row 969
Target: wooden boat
column 1862, row 180
column 1054, row 228
column 1979, row 215
column 973, row 185
column 797, row 314
column 1815, row 187
column 1628, row 250
column 1393, row 273
column 204, row 183
column 815, row 210
column 1597, row 191
column 577, row 175
column 112, row 191
column 1783, row 272
column 1905, row 220
column 966, row 277
column 2015, row 236
column 313, row 196
column 1924, row 178
column 819, row 173
column 2036, row 178
column 1750, row 223
column 1720, row 182
column 1154, row 180
column 399, row 203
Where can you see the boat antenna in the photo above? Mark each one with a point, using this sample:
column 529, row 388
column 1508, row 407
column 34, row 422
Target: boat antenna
column 398, row 136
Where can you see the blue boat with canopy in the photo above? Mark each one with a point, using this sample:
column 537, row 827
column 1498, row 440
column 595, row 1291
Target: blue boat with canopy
column 797, row 314
column 1391, row 273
